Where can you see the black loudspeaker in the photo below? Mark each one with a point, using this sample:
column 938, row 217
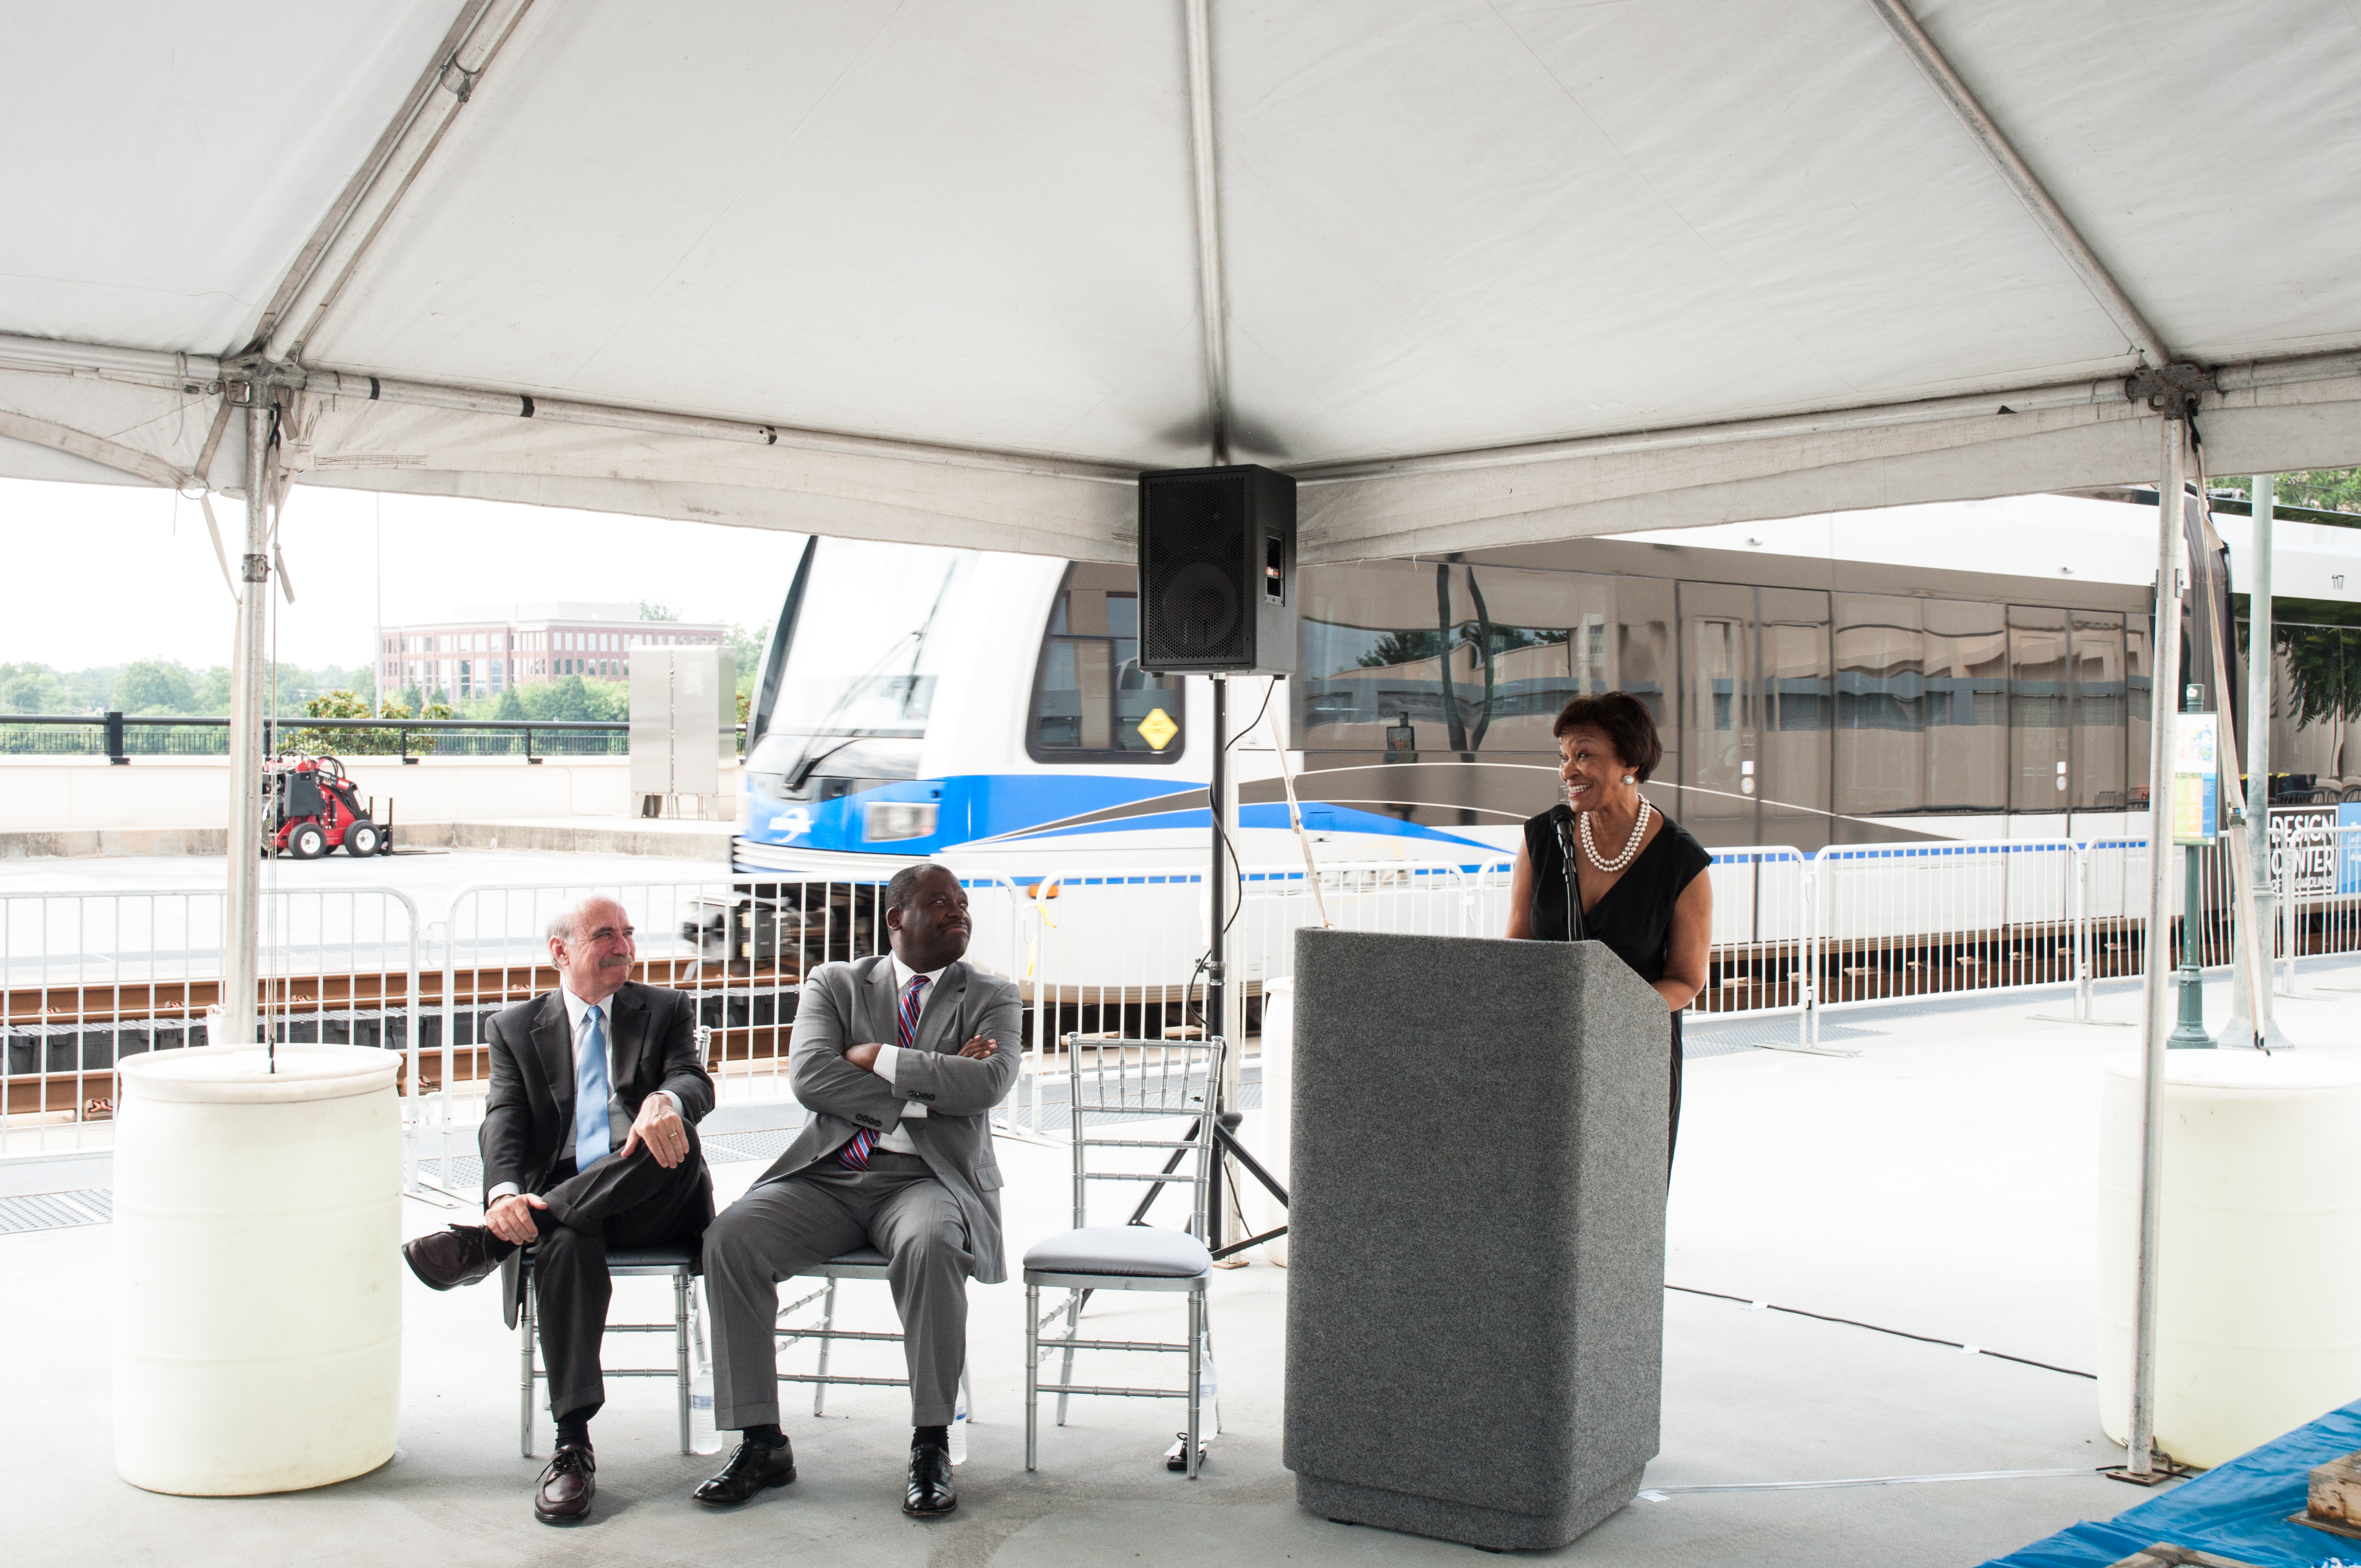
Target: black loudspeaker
column 1217, row 571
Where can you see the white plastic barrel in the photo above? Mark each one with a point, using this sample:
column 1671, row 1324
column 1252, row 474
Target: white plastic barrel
column 1278, row 1107
column 258, row 1300
column 2256, row 1271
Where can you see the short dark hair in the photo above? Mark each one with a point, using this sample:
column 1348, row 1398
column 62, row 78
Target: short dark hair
column 904, row 888
column 1626, row 722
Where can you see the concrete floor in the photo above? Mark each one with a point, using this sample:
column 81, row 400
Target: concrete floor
column 1941, row 1182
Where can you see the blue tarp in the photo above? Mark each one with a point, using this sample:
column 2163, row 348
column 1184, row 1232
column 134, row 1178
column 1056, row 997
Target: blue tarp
column 2237, row 1511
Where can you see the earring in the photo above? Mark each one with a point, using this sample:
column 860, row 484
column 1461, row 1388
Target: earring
column 1629, row 779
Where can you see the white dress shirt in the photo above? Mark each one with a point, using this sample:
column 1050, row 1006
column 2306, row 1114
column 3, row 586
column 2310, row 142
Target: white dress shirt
column 577, row 1010
column 894, row 1140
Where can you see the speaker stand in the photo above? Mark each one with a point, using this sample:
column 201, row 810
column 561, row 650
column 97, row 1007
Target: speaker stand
column 1217, row 888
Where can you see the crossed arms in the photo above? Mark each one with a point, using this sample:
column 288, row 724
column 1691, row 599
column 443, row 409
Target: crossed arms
column 829, row 1075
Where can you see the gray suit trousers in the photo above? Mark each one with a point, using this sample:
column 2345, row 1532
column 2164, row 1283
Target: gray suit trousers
column 823, row 1212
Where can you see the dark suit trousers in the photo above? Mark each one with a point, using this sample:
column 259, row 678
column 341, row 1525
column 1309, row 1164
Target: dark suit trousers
column 620, row 1203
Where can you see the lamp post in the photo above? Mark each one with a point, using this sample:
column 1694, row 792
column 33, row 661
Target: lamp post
column 2189, row 1031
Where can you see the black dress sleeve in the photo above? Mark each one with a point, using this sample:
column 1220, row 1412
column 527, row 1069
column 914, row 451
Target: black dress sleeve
column 1690, row 859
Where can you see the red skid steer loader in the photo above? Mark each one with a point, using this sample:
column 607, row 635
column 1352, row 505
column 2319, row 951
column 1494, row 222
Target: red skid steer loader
column 314, row 809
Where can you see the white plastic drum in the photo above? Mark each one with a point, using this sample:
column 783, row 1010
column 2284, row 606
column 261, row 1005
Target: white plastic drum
column 2257, row 1275
column 258, row 1300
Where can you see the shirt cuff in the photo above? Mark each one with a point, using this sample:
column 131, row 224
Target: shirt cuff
column 887, row 1055
column 505, row 1190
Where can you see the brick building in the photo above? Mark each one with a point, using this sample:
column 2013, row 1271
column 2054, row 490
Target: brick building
column 489, row 649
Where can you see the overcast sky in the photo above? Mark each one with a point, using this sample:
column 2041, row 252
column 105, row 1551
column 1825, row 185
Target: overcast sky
column 104, row 574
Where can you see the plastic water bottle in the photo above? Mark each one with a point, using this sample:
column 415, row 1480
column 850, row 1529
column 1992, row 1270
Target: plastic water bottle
column 959, row 1426
column 1208, row 1386
column 704, row 1437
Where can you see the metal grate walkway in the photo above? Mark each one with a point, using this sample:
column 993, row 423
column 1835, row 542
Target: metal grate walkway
column 52, row 1210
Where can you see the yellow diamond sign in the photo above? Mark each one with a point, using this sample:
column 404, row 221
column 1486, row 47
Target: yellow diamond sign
column 1157, row 729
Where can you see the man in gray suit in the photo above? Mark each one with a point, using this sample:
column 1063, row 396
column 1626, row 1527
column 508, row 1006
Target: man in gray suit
column 899, row 1060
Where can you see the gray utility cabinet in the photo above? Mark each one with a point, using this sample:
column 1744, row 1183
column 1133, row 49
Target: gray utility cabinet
column 1475, row 1315
column 683, row 720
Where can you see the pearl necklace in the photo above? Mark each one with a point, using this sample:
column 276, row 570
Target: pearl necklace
column 1639, row 831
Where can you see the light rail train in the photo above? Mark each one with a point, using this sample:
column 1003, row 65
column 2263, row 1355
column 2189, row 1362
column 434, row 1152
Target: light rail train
column 1963, row 671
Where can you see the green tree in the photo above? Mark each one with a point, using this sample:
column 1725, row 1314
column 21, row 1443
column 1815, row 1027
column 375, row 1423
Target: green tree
column 510, row 705
column 655, row 610
column 92, row 690
column 340, row 742
column 212, row 694
column 2320, row 489
column 33, row 688
column 749, row 644
column 567, row 696
column 151, row 685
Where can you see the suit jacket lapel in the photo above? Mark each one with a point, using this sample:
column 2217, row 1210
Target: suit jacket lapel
column 628, row 1037
column 940, row 1016
column 884, row 998
column 555, row 1043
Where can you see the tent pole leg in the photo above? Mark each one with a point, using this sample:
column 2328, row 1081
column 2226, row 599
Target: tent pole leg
column 2156, row 1012
column 2258, row 756
column 248, row 741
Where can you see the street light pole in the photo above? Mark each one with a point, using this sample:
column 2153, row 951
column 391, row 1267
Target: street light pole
column 2189, row 1032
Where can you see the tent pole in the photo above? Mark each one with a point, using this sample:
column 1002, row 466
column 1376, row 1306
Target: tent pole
column 2022, row 182
column 1209, row 228
column 2156, row 1012
column 241, row 922
column 2258, row 754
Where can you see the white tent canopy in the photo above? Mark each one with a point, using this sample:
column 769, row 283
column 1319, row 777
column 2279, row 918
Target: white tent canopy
column 1480, row 273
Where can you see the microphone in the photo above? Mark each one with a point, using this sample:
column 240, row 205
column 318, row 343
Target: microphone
column 1565, row 822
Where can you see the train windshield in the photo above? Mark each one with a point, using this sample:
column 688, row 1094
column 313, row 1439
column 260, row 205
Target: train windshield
column 865, row 657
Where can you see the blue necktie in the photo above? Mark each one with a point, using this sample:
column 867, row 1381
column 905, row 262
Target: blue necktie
column 592, row 1137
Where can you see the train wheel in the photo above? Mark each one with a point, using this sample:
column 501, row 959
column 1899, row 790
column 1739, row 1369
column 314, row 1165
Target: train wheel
column 362, row 838
column 308, row 841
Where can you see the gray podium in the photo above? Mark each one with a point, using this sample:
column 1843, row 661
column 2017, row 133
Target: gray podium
column 1474, row 1313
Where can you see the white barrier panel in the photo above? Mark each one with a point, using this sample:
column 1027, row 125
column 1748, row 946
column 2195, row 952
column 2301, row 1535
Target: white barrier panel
column 1905, row 920
column 93, row 978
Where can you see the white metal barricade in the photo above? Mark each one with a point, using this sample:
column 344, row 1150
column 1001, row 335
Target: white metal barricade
column 93, row 977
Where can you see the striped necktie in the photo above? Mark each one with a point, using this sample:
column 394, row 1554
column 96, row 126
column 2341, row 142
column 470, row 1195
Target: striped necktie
column 855, row 1155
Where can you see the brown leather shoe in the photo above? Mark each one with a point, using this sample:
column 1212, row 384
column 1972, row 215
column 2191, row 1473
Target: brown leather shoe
column 564, row 1492
column 460, row 1255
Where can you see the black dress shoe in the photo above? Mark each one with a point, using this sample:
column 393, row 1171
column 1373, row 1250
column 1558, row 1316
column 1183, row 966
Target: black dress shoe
column 931, row 1495
column 460, row 1255
column 754, row 1466
column 564, row 1492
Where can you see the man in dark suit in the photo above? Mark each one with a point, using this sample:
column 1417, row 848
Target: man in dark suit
column 588, row 1141
column 900, row 1060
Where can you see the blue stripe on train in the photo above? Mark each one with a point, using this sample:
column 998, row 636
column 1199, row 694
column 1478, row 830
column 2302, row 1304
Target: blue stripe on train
column 1022, row 808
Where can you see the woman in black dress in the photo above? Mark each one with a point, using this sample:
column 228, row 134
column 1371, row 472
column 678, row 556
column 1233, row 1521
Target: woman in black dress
column 1635, row 871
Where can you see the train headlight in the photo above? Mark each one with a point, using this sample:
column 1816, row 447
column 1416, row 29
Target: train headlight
column 887, row 819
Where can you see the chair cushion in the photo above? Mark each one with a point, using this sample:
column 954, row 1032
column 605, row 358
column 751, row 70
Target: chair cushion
column 1141, row 1252
column 671, row 1254
column 863, row 1257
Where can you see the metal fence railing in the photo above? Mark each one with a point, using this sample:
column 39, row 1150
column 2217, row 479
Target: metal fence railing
column 87, row 979
column 92, row 977
column 122, row 737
